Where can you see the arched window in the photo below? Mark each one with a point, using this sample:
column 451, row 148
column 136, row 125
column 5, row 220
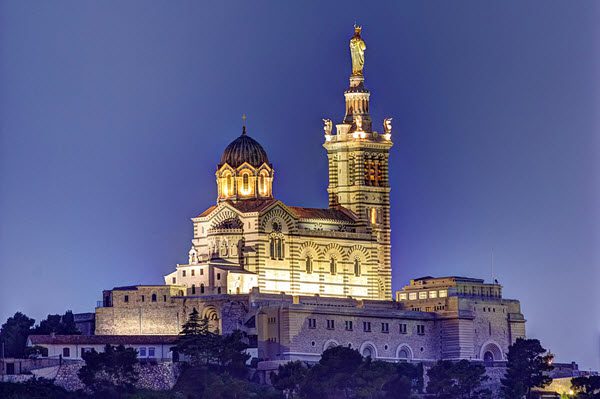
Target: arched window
column 272, row 247
column 367, row 352
column 202, row 288
column 193, row 289
column 218, row 290
column 356, row 267
column 245, row 183
column 332, row 266
column 262, row 183
column 153, row 297
column 403, row 354
column 276, row 248
column 309, row 264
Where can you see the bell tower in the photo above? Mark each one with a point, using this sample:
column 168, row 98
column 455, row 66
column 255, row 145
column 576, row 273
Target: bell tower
column 358, row 165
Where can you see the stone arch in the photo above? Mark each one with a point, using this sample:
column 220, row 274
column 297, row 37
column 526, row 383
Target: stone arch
column 368, row 348
column 331, row 343
column 309, row 248
column 283, row 217
column 212, row 315
column 220, row 217
column 334, row 250
column 491, row 348
column 360, row 252
column 402, row 350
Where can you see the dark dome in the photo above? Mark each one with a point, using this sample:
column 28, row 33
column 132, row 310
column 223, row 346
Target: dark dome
column 244, row 149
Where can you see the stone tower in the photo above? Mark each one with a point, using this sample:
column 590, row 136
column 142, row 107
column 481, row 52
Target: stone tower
column 358, row 165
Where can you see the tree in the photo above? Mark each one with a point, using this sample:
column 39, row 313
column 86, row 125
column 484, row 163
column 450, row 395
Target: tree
column 406, row 379
column 586, row 387
column 457, row 380
column 527, row 367
column 197, row 341
column 333, row 375
column 289, row 377
column 14, row 333
column 111, row 370
column 371, row 378
column 231, row 353
column 57, row 324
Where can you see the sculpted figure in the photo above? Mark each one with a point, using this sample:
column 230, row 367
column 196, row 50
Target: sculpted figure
column 387, row 125
column 327, row 126
column 357, row 52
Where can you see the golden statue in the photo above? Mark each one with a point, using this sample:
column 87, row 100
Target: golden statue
column 357, row 51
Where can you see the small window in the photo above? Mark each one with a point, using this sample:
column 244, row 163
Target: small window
column 153, row 297
column 126, row 298
column 193, row 289
column 218, row 290
column 330, row 324
column 142, row 352
column 183, row 273
column 348, row 325
column 202, row 288
column 218, row 276
column 312, row 323
column 423, row 295
column 403, row 297
column 443, row 293
column 202, row 272
column 421, row 329
column 164, row 298
column 432, row 294
column 412, row 296
column 66, row 352
column 143, row 298
column 402, row 328
column 357, row 267
column 308, row 264
column 151, row 352
column 332, row 266
column 174, row 280
column 385, row 328
column 193, row 272
column 366, row 326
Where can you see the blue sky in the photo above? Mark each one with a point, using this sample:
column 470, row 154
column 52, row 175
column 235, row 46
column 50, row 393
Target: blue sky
column 113, row 116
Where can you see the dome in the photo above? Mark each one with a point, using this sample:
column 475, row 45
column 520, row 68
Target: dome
column 244, row 149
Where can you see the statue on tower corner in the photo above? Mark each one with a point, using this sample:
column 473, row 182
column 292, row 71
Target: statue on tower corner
column 357, row 52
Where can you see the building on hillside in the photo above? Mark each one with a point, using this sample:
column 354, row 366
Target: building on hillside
column 298, row 280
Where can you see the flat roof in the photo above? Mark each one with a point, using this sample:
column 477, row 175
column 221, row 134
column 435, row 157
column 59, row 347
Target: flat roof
column 101, row 339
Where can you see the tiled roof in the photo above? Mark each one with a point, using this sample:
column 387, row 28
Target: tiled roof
column 101, row 339
column 207, row 211
column 253, row 205
column 328, row 213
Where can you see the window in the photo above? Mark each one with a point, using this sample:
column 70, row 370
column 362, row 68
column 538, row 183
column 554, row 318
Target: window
column 126, row 298
column 421, row 329
column 193, row 272
column 202, row 288
column 85, row 350
column 218, row 276
column 153, row 297
column 432, row 294
column 423, row 295
column 272, row 320
column 348, row 325
column 308, row 264
column 312, row 323
column 357, row 267
column 66, row 352
column 245, row 182
column 174, row 280
column 143, row 298
column 202, row 272
column 228, row 185
column 330, row 325
column 164, row 298
column 402, row 328
column 373, row 216
column 276, row 248
column 183, row 273
column 332, row 266
column 385, row 327
column 403, row 297
column 366, row 326
column 218, row 290
column 142, row 352
column 193, row 289
column 151, row 352
column 443, row 293
column 412, row 296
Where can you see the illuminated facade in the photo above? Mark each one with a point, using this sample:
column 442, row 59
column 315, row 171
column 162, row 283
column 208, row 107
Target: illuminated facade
column 298, row 280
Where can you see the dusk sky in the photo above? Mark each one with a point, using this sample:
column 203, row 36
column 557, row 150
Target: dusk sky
column 113, row 117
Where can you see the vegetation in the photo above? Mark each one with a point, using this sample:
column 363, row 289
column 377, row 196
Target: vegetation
column 110, row 372
column 16, row 329
column 457, row 380
column 586, row 387
column 527, row 368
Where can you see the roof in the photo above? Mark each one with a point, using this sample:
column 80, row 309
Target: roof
column 338, row 213
column 101, row 339
column 244, row 149
column 457, row 278
column 135, row 287
column 252, row 205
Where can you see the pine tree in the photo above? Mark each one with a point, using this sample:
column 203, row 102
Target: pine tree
column 197, row 341
column 527, row 367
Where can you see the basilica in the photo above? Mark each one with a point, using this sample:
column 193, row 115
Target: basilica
column 299, row 280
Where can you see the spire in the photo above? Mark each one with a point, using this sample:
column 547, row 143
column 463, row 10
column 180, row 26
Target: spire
column 243, row 124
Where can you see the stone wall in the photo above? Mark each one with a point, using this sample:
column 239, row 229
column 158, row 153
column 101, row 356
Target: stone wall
column 156, row 377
